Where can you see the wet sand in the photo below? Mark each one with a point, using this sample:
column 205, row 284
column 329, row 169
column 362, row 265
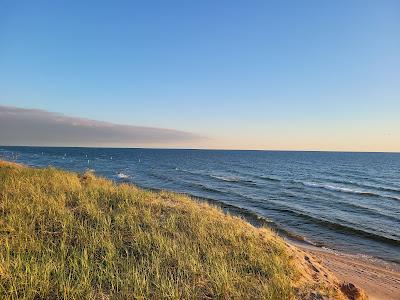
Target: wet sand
column 380, row 280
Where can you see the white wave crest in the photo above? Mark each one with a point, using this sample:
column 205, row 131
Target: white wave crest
column 348, row 190
column 122, row 175
column 226, row 178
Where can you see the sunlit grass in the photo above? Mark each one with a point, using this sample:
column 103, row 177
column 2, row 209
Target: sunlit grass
column 71, row 236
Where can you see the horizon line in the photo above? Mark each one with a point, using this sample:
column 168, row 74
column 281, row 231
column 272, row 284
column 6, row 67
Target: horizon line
column 205, row 149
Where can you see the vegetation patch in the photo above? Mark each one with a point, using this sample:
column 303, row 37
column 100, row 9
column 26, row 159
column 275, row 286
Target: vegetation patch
column 70, row 236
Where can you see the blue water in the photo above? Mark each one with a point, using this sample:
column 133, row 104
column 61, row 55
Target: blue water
column 344, row 201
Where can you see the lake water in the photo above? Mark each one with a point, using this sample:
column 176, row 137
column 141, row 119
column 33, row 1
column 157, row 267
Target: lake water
column 343, row 201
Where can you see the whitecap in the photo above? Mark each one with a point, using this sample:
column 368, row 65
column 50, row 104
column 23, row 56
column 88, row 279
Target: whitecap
column 347, row 190
column 122, row 175
column 226, row 178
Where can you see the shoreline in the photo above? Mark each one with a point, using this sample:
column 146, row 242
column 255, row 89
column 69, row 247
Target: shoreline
column 126, row 242
column 378, row 278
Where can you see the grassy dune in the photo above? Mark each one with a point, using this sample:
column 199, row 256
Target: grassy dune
column 71, row 236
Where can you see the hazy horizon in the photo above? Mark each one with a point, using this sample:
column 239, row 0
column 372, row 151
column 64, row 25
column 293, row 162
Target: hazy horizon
column 312, row 76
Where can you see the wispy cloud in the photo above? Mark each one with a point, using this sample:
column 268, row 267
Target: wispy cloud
column 19, row 126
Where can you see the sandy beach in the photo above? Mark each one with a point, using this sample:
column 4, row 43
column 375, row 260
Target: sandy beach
column 379, row 279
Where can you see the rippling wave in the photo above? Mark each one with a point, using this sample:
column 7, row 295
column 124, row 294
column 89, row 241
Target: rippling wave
column 348, row 190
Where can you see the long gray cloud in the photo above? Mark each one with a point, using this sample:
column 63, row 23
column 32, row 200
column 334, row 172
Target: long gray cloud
column 19, row 126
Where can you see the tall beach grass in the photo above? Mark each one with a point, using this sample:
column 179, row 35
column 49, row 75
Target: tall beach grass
column 70, row 236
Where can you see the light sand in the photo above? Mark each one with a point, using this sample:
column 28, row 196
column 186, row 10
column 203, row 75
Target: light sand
column 380, row 280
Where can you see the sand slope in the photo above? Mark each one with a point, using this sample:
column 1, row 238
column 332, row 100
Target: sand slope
column 380, row 281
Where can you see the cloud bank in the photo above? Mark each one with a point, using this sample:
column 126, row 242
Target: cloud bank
column 20, row 126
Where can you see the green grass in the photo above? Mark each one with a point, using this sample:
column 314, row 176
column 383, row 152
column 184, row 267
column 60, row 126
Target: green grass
column 70, row 236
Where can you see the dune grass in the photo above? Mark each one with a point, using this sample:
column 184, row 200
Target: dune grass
column 70, row 236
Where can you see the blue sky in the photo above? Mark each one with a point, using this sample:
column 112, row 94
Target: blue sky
column 316, row 75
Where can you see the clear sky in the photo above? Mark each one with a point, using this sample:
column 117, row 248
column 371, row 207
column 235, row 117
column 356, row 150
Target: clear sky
column 306, row 75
